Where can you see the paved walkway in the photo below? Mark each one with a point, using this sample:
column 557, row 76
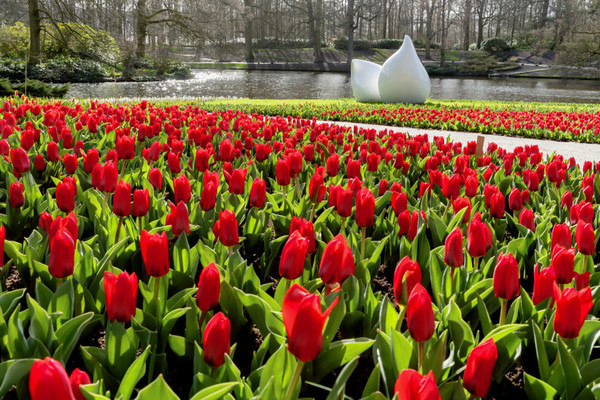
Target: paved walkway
column 581, row 151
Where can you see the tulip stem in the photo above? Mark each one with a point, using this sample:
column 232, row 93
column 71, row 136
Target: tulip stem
column 401, row 316
column 503, row 307
column 421, row 353
column 105, row 202
column 298, row 188
column 292, row 388
column 213, row 373
column 202, row 317
column 122, row 170
column 342, row 230
column 447, row 208
column 156, row 298
column 118, row 229
column 287, row 284
column 284, row 193
column 229, row 252
column 363, row 235
column 475, row 263
column 59, row 282
column 139, row 220
column 472, row 396
column 313, row 211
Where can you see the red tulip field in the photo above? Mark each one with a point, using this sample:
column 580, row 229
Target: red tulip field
column 163, row 251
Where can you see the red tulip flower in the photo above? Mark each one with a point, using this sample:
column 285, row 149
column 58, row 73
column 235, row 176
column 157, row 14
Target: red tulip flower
column 572, row 307
column 282, row 172
column 65, row 196
column 208, row 199
column 561, row 235
column 506, row 277
column 515, row 201
column 406, row 277
column 304, row 322
column 582, row 280
column 337, row 261
column 344, row 202
column 316, row 186
column 293, row 256
column 365, row 208
column 353, row 169
column 62, row 254
column 141, row 202
column 16, row 198
column 237, row 180
column 419, row 314
column 155, row 252
column 479, row 237
column 227, row 226
column 216, row 340
column 585, row 238
column 411, row 385
column 39, row 163
column 20, row 160
column 122, row 199
column 182, row 190
column 68, row 223
column 209, row 288
column 258, row 193
column 121, row 295
column 563, row 264
column 543, row 284
column 479, row 369
column 155, row 178
column 458, row 204
column 2, row 239
column 110, row 175
column 453, row 249
column 179, row 219
column 307, row 229
column 527, row 219
column 497, row 205
column 52, row 153
column 78, row 378
column 49, row 380
column 399, row 202
column 70, row 161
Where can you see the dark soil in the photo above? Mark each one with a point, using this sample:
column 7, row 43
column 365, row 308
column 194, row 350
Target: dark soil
column 382, row 282
column 357, row 381
column 247, row 344
column 13, row 280
column 511, row 386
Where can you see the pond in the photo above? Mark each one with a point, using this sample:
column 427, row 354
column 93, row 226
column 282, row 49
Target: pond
column 330, row 85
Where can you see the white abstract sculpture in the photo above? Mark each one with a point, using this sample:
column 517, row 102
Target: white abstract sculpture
column 401, row 79
column 365, row 76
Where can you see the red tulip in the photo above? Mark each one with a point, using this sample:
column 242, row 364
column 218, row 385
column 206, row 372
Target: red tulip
column 411, row 385
column 90, row 159
column 62, row 254
column 52, row 153
column 293, row 256
column 515, row 201
column 543, row 284
column 179, row 219
column 406, row 276
column 458, row 204
column 307, row 230
column 566, row 200
column 337, row 261
column 39, row 163
column 316, row 186
column 208, row 199
column 78, row 378
column 237, row 180
column 527, row 219
column 344, row 202
column 182, row 189
column 20, row 160
column 572, row 306
column 561, row 235
column 45, row 221
column 582, row 280
column 563, row 262
column 121, row 295
column 70, row 161
column 497, row 205
column 122, row 199
column 383, row 187
column 209, row 288
column 16, row 198
column 226, row 151
column 110, row 174
column 155, row 178
column 2, row 239
column 451, row 186
column 353, row 169
column 258, row 193
column 216, row 340
column 173, row 163
column 304, row 322
column 453, row 249
column 155, row 252
column 141, row 202
column 365, row 208
column 419, row 314
column 506, row 277
column 585, row 238
column 68, row 223
column 295, row 158
column 471, row 186
column 227, row 227
column 49, row 380
column 65, row 196
column 479, row 237
column 282, row 172
column 399, row 202
column 479, row 369
column 125, row 147
column 333, row 165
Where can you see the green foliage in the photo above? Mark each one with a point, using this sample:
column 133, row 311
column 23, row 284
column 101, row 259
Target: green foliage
column 387, row 44
column 34, row 88
column 73, row 39
column 342, row 44
column 493, row 45
column 436, row 70
column 14, row 40
column 61, row 70
column 169, row 68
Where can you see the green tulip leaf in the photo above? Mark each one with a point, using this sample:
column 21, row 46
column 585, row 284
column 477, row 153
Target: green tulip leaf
column 538, row 389
column 338, row 354
column 12, row 371
column 572, row 376
column 134, row 373
column 214, row 392
column 338, row 387
column 158, row 389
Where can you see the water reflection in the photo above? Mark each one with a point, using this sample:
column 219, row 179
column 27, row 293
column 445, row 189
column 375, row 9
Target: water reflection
column 315, row 85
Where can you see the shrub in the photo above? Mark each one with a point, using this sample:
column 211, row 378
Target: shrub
column 14, row 40
column 80, row 40
column 68, row 69
column 342, row 44
column 169, row 68
column 446, row 70
column 34, row 88
column 387, row 44
column 493, row 45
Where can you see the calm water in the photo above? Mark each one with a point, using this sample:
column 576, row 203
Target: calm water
column 316, row 85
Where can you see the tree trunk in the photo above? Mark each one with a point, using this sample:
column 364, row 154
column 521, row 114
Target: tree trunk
column 385, row 19
column 429, row 29
column 480, row 22
column 350, row 27
column 544, row 16
column 467, row 27
column 35, row 28
column 318, row 23
column 141, row 29
column 249, row 53
column 443, row 41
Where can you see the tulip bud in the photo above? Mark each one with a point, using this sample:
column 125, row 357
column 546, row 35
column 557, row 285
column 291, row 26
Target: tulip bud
column 419, row 314
column 20, row 160
column 179, row 218
column 78, row 378
column 411, row 385
column 209, row 288
column 543, row 284
column 39, row 163
column 453, row 249
column 208, row 199
column 122, row 199
column 406, row 277
column 155, row 252
column 16, row 198
column 561, row 235
column 337, row 261
column 479, row 369
column 304, row 322
column 479, row 237
column 316, row 186
column 572, row 307
column 458, row 204
column 49, row 380
column 563, row 262
column 227, row 228
column 216, row 340
column 497, row 205
column 527, row 219
column 515, row 201
column 110, row 175
column 121, row 295
column 585, row 238
column 141, row 202
column 155, row 178
column 344, row 202
column 307, row 230
column 333, row 165
column 282, row 172
column 365, row 208
column 62, row 254
column 182, row 189
column 293, row 256
column 237, row 180
column 258, row 193
column 65, row 196
column 506, row 277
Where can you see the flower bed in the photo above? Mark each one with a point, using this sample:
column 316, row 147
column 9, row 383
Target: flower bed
column 168, row 251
